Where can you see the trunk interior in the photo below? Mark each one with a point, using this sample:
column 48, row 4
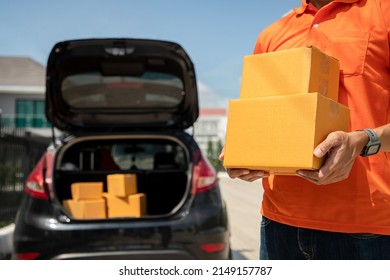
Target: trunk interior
column 160, row 164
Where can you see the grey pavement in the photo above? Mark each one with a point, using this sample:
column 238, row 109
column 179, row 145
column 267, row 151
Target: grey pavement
column 243, row 201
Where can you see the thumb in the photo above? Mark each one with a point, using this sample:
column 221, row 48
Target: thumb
column 221, row 156
column 318, row 152
column 324, row 147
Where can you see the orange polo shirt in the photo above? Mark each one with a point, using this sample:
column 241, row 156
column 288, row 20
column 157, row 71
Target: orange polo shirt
column 356, row 32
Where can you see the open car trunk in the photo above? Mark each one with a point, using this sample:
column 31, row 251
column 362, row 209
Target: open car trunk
column 159, row 163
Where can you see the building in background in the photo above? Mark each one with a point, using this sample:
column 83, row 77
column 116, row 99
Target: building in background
column 210, row 127
column 22, row 94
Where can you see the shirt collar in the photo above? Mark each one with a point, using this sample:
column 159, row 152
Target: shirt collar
column 304, row 5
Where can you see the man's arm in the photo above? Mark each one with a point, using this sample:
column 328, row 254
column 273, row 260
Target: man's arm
column 383, row 133
column 341, row 149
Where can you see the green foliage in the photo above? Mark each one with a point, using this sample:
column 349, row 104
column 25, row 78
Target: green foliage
column 8, row 175
column 213, row 151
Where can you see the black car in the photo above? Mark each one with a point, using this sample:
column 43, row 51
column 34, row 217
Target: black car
column 125, row 108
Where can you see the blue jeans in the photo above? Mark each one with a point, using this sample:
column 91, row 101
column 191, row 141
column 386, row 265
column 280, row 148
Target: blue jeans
column 283, row 242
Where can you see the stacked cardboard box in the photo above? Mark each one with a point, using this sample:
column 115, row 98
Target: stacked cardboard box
column 87, row 201
column 288, row 105
column 121, row 199
column 288, row 72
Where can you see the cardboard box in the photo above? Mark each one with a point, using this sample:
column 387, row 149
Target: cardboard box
column 116, row 206
column 122, row 185
column 279, row 133
column 132, row 206
column 137, row 204
column 87, row 190
column 292, row 71
column 86, row 209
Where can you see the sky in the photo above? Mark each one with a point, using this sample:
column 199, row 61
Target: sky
column 217, row 34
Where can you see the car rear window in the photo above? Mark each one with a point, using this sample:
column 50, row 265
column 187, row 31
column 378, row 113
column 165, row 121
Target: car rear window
column 129, row 154
column 148, row 90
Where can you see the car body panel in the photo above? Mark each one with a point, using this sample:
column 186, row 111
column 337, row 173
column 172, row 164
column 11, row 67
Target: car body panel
column 47, row 230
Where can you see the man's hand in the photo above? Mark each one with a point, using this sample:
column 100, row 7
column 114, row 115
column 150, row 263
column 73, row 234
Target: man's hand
column 244, row 174
column 341, row 149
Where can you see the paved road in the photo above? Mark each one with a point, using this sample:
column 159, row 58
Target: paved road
column 243, row 204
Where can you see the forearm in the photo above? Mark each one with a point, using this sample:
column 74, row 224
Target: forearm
column 383, row 133
column 341, row 149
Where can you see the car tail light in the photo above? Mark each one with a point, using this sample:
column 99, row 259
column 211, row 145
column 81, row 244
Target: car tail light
column 27, row 256
column 204, row 176
column 212, row 247
column 35, row 185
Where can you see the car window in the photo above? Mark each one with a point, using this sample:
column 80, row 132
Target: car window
column 148, row 156
column 124, row 155
column 149, row 90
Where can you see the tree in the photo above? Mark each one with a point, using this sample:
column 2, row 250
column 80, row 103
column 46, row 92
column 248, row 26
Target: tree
column 213, row 151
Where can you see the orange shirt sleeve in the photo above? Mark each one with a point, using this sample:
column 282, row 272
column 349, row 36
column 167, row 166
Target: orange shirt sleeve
column 257, row 48
column 385, row 8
